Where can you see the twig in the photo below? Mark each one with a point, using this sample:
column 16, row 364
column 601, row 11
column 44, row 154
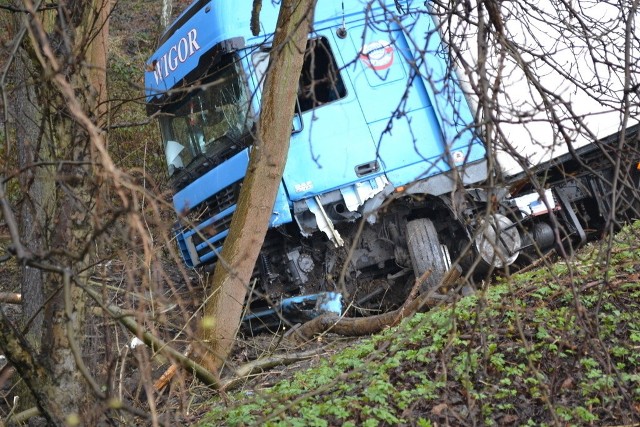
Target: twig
column 155, row 343
column 10, row 298
column 122, row 367
column 23, row 416
column 22, row 10
column 71, row 336
column 12, row 225
column 255, row 17
column 537, row 263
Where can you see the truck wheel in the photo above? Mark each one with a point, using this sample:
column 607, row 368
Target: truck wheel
column 426, row 252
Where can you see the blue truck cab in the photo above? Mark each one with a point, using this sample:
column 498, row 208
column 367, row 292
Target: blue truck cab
column 381, row 139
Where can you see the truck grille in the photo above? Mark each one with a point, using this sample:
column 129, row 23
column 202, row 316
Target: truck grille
column 219, row 202
column 207, row 225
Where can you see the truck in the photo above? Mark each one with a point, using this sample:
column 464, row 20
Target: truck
column 385, row 174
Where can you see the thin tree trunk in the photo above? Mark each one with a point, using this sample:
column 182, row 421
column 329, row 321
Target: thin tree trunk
column 71, row 98
column 36, row 207
column 32, row 372
column 77, row 191
column 37, row 183
column 229, row 283
column 166, row 13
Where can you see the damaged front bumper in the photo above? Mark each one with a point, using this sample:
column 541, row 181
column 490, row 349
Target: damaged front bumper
column 291, row 311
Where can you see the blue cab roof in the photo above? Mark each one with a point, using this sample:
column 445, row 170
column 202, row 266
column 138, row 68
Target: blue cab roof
column 223, row 25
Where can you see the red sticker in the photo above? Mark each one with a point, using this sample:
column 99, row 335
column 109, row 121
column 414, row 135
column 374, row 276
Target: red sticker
column 377, row 55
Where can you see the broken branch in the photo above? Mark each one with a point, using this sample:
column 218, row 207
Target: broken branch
column 260, row 365
column 170, row 372
column 360, row 326
column 10, row 298
column 156, row 344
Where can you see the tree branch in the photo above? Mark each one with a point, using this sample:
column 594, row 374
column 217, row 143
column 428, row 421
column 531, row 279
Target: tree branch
column 359, row 326
column 266, row 363
column 10, row 298
column 156, row 344
column 50, row 6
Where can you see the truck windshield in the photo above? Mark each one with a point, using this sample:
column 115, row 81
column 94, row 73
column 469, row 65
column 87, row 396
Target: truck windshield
column 209, row 122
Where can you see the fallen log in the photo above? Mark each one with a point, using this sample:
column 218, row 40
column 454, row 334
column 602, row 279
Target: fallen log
column 360, row 326
column 262, row 364
column 341, row 325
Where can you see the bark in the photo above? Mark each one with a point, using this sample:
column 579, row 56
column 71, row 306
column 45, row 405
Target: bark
column 58, row 236
column 229, row 284
column 37, row 186
column 76, row 192
column 41, row 384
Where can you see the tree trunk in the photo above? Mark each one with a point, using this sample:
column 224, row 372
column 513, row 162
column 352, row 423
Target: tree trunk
column 37, row 186
column 33, row 373
column 58, row 223
column 229, row 284
column 166, row 13
column 77, row 192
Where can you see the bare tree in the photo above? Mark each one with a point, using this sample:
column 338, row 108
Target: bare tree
column 60, row 151
column 88, row 197
column 547, row 78
column 229, row 285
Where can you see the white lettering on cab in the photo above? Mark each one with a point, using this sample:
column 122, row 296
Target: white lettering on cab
column 177, row 54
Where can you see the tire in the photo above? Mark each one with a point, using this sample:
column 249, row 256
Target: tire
column 426, row 253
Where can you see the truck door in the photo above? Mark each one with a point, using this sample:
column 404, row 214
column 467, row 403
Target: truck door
column 331, row 146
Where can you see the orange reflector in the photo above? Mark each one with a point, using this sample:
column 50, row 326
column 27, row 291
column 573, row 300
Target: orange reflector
column 401, row 188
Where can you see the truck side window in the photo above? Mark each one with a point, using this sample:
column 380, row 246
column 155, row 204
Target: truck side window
column 320, row 80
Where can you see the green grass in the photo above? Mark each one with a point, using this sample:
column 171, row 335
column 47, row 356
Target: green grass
column 530, row 350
